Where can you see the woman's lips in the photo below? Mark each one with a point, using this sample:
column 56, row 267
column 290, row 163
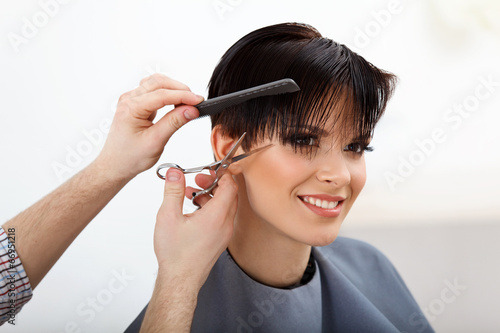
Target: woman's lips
column 323, row 205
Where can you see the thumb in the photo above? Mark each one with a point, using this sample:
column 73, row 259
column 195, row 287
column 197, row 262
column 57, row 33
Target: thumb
column 173, row 120
column 174, row 193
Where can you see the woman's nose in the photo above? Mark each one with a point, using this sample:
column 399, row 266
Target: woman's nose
column 333, row 170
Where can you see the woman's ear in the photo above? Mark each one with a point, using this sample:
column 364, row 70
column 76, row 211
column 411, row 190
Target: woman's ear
column 221, row 145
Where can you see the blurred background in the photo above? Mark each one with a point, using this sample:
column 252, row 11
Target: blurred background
column 431, row 202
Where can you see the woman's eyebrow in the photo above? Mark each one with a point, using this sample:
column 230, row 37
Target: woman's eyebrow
column 315, row 129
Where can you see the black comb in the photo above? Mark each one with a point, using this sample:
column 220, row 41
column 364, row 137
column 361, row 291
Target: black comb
column 215, row 105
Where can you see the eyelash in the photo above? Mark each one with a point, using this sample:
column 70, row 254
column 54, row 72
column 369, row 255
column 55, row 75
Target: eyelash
column 306, row 143
column 304, row 140
column 360, row 148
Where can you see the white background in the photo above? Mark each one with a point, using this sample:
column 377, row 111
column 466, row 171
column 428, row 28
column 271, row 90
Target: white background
column 438, row 223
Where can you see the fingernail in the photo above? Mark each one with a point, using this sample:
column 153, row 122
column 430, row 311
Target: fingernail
column 173, row 175
column 190, row 114
column 201, row 97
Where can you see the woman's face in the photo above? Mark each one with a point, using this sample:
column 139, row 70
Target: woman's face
column 305, row 194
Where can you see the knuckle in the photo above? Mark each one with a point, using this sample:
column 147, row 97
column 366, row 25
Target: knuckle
column 148, row 81
column 157, row 77
column 124, row 97
column 144, row 80
column 160, row 76
column 167, row 82
column 123, row 107
column 159, row 80
column 174, row 192
column 175, row 122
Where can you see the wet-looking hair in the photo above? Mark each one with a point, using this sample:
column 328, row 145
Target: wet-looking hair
column 334, row 81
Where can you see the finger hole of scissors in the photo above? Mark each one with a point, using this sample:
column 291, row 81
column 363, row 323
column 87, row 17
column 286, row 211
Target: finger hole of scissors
column 201, row 200
column 190, row 191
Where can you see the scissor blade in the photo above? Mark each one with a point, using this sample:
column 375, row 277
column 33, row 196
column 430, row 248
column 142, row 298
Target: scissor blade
column 230, row 154
column 226, row 161
column 242, row 156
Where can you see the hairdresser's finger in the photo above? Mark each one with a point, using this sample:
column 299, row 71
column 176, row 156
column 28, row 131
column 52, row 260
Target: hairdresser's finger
column 171, row 122
column 200, row 200
column 157, row 99
column 225, row 197
column 189, row 191
column 173, row 199
column 203, row 180
column 154, row 82
column 216, row 188
column 157, row 81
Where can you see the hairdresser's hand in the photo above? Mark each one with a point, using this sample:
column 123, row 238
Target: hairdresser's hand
column 135, row 143
column 204, row 181
column 189, row 245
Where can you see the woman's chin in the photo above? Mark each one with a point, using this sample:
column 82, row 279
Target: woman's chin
column 322, row 239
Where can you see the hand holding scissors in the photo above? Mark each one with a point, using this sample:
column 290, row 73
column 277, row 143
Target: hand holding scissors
column 218, row 167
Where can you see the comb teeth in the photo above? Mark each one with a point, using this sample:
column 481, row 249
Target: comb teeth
column 216, row 105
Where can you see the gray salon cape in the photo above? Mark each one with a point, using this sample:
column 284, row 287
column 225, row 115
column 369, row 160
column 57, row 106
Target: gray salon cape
column 354, row 289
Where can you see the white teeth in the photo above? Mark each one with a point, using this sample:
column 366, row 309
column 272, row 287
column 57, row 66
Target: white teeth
column 321, row 203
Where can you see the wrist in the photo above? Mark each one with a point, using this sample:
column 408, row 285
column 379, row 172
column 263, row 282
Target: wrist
column 106, row 172
column 190, row 284
column 105, row 167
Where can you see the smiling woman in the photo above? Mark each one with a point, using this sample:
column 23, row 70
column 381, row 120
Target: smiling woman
column 296, row 194
column 285, row 269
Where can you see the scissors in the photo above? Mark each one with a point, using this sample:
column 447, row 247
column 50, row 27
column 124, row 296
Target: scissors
column 219, row 167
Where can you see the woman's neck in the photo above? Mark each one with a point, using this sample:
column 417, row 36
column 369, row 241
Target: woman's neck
column 265, row 253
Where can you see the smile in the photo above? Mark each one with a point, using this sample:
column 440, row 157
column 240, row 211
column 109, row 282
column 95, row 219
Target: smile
column 320, row 203
column 325, row 206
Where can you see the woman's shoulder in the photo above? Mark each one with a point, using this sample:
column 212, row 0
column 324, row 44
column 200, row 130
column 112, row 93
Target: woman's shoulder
column 365, row 278
column 356, row 258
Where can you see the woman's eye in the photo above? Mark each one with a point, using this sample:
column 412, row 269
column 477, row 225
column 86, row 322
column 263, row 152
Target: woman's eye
column 357, row 148
column 307, row 141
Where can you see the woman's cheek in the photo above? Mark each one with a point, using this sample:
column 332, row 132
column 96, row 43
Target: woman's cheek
column 358, row 177
column 283, row 167
column 272, row 179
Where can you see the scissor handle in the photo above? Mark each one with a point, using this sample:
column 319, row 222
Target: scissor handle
column 209, row 189
column 166, row 166
column 212, row 166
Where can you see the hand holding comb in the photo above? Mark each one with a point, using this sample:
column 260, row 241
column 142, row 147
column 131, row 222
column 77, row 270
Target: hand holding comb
column 215, row 105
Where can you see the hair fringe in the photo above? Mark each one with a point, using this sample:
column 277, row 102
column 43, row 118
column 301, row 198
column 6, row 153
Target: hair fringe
column 335, row 82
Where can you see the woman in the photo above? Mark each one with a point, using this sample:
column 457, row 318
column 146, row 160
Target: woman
column 285, row 269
